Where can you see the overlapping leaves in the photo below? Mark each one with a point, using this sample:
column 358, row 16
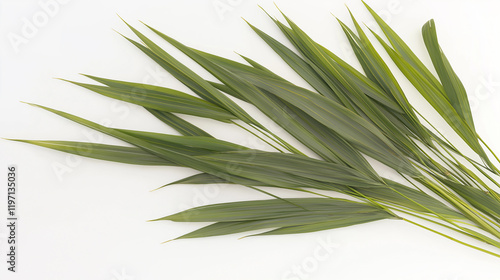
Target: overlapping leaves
column 350, row 114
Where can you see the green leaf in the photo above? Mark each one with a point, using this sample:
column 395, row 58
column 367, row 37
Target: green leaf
column 428, row 85
column 131, row 155
column 298, row 165
column 379, row 72
column 180, row 125
column 185, row 75
column 191, row 142
column 330, row 224
column 270, row 208
column 476, row 197
column 185, row 156
column 172, row 152
column 316, row 136
column 313, row 214
column 334, row 116
column 453, row 87
column 298, row 64
column 201, row 179
column 402, row 48
column 159, row 98
column 349, row 115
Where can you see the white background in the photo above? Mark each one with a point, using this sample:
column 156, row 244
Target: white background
column 86, row 219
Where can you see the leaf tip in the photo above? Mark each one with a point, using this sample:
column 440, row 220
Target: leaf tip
column 129, row 26
column 155, row 220
column 119, row 33
column 148, row 26
column 86, row 75
column 160, row 187
column 331, row 13
column 168, row 241
column 276, row 5
column 64, row 80
column 31, row 104
column 121, row 18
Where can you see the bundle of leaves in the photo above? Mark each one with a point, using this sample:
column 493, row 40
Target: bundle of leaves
column 346, row 117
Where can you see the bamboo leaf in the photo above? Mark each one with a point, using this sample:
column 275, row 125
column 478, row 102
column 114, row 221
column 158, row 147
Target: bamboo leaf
column 349, row 115
column 201, row 179
column 347, row 124
column 297, row 165
column 477, row 198
column 192, row 142
column 452, row 85
column 270, row 208
column 330, row 224
column 430, row 88
column 319, row 138
column 182, row 126
column 130, row 155
column 190, row 78
column 161, row 99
